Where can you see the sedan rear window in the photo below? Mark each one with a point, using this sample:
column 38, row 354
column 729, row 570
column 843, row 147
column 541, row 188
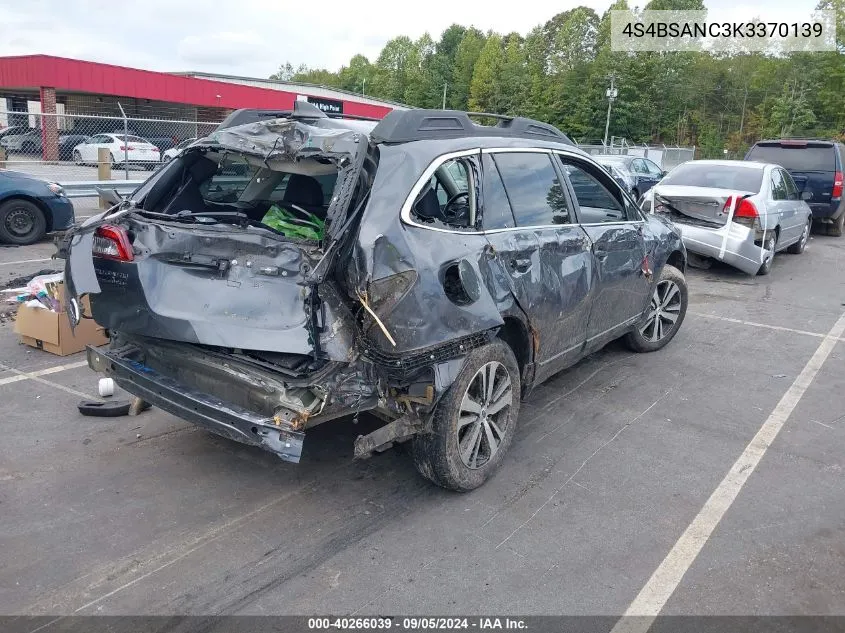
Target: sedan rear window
column 736, row 177
column 795, row 157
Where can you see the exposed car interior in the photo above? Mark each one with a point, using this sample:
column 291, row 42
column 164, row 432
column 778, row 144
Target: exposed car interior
column 221, row 187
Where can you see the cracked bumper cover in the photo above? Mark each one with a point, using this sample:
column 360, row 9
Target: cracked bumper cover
column 197, row 407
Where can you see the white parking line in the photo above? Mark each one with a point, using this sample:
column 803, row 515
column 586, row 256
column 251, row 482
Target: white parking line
column 665, row 579
column 762, row 325
column 25, row 261
column 28, row 375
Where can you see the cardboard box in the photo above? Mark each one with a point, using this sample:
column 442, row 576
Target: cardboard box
column 50, row 331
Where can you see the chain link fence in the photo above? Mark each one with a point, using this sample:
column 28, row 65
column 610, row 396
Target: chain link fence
column 666, row 157
column 65, row 147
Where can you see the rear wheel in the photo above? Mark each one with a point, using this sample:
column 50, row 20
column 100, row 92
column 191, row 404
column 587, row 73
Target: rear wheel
column 769, row 245
column 836, row 228
column 21, row 222
column 474, row 423
column 801, row 244
column 666, row 312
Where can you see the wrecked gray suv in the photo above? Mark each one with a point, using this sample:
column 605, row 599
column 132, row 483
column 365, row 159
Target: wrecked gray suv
column 294, row 269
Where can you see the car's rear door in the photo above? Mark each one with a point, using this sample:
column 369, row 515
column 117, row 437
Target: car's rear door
column 546, row 254
column 615, row 227
column 778, row 208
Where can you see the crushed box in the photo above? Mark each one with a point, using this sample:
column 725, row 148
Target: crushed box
column 44, row 329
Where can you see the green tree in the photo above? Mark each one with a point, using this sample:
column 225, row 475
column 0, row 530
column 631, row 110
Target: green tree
column 484, row 91
column 466, row 56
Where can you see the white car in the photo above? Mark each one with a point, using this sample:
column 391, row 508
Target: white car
column 739, row 212
column 174, row 151
column 121, row 148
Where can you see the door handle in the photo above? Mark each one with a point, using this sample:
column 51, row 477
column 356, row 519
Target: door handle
column 521, row 264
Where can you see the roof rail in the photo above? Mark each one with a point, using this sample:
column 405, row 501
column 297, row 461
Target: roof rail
column 403, row 126
column 302, row 110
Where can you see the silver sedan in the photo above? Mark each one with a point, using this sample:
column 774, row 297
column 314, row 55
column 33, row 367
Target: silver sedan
column 738, row 212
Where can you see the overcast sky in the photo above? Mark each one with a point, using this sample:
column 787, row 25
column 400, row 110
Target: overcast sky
column 253, row 37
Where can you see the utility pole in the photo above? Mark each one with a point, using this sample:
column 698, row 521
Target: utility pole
column 363, row 86
column 444, row 95
column 611, row 93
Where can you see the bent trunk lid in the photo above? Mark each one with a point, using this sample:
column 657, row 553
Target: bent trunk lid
column 703, row 206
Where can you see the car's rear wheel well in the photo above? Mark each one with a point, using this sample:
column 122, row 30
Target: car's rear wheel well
column 515, row 334
column 48, row 217
column 677, row 259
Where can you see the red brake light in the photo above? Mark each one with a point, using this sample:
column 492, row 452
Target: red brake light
column 112, row 242
column 837, row 184
column 155, row 149
column 745, row 209
column 745, row 212
column 123, row 148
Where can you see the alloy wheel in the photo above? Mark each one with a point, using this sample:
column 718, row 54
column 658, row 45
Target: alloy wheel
column 483, row 416
column 663, row 311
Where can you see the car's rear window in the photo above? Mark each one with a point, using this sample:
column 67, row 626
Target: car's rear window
column 795, row 158
column 735, row 177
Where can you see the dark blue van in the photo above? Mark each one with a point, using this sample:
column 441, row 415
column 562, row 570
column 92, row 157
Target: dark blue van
column 816, row 167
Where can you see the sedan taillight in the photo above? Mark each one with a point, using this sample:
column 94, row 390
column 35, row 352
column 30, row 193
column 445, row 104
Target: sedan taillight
column 745, row 212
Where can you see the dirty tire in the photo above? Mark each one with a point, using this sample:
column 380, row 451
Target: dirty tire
column 837, row 227
column 769, row 245
column 801, row 244
column 437, row 454
column 640, row 339
column 21, row 222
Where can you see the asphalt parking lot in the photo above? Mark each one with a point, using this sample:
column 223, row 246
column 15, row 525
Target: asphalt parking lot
column 623, row 465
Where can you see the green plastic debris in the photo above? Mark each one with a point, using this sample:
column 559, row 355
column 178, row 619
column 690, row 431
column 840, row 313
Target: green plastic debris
column 292, row 225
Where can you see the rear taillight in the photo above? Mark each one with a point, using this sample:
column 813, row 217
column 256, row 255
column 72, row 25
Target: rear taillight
column 837, row 185
column 155, row 149
column 745, row 212
column 112, row 242
column 124, row 148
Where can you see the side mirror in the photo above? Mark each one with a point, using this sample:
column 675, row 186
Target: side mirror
column 806, row 195
column 663, row 174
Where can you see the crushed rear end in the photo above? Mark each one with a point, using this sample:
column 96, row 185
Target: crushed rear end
column 215, row 315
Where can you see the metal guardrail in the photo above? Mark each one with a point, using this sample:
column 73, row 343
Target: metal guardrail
column 91, row 188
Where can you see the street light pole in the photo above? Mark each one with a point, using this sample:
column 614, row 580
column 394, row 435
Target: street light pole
column 363, row 86
column 611, row 93
column 444, row 95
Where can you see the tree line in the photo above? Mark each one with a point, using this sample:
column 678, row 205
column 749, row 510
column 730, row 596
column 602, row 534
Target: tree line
column 559, row 72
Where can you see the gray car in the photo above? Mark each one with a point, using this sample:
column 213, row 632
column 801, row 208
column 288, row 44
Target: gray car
column 738, row 212
column 284, row 272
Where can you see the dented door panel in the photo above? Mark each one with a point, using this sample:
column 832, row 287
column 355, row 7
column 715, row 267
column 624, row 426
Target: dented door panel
column 563, row 307
column 622, row 288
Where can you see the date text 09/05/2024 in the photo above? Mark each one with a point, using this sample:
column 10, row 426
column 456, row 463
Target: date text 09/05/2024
column 416, row 623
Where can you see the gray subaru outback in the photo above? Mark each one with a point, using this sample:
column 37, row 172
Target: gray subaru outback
column 294, row 268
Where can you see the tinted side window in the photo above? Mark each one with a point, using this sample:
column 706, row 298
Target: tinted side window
column 778, row 186
column 533, row 188
column 496, row 212
column 594, row 194
column 638, row 165
column 653, row 169
column 791, row 188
